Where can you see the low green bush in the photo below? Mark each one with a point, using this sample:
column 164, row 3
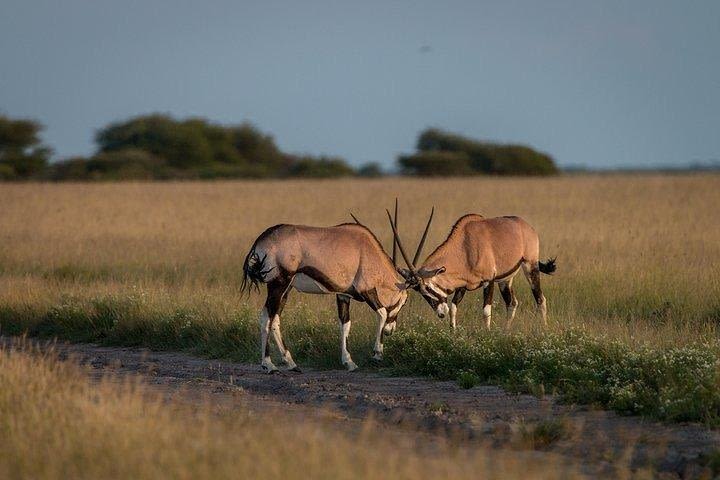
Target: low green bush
column 675, row 384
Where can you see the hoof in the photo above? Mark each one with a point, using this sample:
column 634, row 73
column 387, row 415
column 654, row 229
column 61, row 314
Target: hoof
column 295, row 369
column 351, row 367
column 376, row 359
column 270, row 370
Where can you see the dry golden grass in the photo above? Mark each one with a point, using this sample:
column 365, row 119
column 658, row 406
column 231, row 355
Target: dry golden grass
column 57, row 424
column 637, row 254
column 637, row 258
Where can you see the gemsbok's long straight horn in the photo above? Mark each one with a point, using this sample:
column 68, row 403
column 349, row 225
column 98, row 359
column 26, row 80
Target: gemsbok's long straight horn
column 400, row 246
column 422, row 240
column 355, row 218
column 394, row 253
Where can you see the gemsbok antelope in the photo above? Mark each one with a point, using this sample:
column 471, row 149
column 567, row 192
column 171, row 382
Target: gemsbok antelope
column 346, row 260
column 478, row 252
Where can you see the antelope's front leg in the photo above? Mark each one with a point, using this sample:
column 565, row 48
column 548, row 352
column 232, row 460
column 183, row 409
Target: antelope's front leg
column 343, row 304
column 457, row 298
column 382, row 317
column 487, row 303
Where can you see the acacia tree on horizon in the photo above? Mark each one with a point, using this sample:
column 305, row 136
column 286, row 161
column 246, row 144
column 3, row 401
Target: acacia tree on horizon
column 22, row 154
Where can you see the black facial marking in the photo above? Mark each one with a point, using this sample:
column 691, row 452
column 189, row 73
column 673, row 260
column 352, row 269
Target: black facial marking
column 429, row 297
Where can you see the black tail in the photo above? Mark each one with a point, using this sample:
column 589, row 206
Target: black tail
column 548, row 267
column 253, row 272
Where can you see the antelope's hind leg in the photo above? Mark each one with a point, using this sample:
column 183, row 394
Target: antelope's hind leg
column 343, row 304
column 287, row 359
column 532, row 273
column 378, row 349
column 511, row 301
column 270, row 321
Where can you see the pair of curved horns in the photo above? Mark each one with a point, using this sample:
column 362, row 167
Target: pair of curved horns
column 398, row 242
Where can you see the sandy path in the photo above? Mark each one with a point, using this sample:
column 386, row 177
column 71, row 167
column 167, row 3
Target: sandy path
column 488, row 415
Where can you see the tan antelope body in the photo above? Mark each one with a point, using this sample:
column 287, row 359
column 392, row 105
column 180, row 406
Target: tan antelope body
column 346, row 260
column 480, row 252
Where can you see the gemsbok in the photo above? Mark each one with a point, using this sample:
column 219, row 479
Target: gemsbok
column 478, row 252
column 346, row 260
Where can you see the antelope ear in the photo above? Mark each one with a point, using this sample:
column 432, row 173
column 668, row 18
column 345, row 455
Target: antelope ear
column 431, row 273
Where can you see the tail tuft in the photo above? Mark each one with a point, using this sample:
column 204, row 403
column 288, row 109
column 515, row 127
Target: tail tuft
column 548, row 267
column 254, row 272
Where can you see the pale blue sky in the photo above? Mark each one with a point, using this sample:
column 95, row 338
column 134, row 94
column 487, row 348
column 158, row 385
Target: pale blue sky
column 599, row 83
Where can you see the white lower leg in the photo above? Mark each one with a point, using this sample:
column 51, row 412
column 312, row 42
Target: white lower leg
column 266, row 363
column 487, row 314
column 453, row 314
column 287, row 358
column 511, row 309
column 543, row 309
column 345, row 357
column 378, row 350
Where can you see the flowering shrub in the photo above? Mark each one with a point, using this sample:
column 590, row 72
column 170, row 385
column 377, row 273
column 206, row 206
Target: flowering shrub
column 676, row 384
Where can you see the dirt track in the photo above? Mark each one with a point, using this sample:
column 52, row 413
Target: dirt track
column 598, row 440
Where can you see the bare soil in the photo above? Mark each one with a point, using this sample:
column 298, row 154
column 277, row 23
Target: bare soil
column 598, row 441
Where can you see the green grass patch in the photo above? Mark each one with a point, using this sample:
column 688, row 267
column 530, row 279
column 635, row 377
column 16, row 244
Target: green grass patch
column 468, row 380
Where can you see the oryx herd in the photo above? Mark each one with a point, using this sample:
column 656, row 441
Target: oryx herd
column 347, row 260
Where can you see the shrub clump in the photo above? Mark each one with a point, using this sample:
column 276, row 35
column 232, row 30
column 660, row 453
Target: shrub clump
column 444, row 153
column 468, row 380
column 161, row 147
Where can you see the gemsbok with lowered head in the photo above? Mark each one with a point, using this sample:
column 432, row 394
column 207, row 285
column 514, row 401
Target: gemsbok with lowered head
column 478, row 252
column 346, row 260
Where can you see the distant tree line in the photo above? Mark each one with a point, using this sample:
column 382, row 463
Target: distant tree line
column 21, row 153
column 158, row 147
column 161, row 147
column 443, row 153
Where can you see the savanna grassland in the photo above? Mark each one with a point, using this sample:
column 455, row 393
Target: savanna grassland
column 633, row 308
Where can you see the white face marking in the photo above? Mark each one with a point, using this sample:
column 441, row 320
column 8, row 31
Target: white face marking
column 305, row 284
column 440, row 295
column 442, row 310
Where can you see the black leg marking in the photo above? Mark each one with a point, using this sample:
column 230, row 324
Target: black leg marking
column 488, row 294
column 459, row 294
column 277, row 293
column 343, row 305
column 371, row 298
column 534, row 278
column 507, row 294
